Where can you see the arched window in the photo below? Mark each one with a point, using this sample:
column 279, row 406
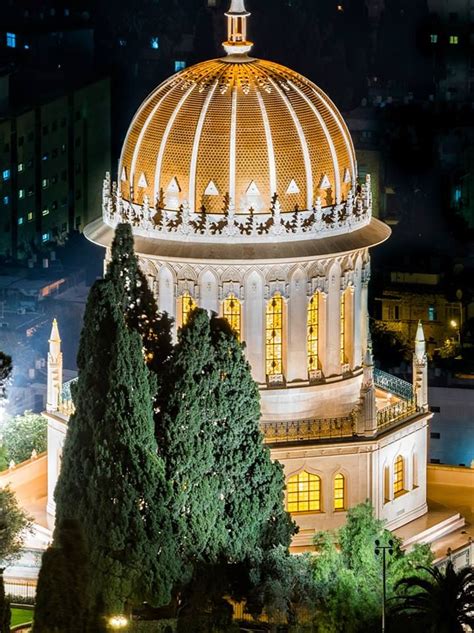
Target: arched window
column 274, row 336
column 304, row 493
column 342, row 330
column 232, row 313
column 399, row 477
column 339, row 492
column 312, row 332
column 187, row 305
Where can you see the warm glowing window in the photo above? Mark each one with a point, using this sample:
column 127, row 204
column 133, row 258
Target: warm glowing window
column 398, row 477
column 274, row 336
column 187, row 305
column 339, row 492
column 304, row 493
column 232, row 313
column 313, row 324
column 342, row 329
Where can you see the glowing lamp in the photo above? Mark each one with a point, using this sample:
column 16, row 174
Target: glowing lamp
column 118, row 622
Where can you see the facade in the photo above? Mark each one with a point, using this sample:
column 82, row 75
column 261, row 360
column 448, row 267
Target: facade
column 240, row 180
column 51, row 160
column 452, row 428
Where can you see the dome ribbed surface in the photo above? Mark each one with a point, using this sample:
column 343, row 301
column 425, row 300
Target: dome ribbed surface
column 241, row 131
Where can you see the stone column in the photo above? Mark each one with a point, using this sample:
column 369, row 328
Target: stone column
column 296, row 352
column 333, row 364
column 254, row 325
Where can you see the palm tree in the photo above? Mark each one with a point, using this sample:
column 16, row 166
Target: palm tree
column 442, row 602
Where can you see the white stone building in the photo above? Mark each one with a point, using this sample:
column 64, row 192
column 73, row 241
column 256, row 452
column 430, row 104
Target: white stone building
column 239, row 179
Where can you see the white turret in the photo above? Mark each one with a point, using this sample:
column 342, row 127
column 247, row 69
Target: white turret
column 420, row 369
column 55, row 369
column 237, row 43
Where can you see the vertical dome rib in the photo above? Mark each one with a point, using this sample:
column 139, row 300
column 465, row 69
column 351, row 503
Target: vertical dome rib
column 271, row 151
column 232, row 147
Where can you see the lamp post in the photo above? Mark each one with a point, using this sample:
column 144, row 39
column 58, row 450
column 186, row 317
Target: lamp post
column 383, row 549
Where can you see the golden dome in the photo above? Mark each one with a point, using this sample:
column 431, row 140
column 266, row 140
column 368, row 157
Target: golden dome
column 237, row 130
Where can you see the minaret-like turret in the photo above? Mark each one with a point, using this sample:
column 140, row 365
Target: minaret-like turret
column 368, row 419
column 237, row 43
column 420, row 369
column 55, row 369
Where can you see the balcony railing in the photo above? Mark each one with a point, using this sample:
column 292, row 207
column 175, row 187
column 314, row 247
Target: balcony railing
column 308, row 429
column 396, row 412
column 66, row 404
column 397, row 386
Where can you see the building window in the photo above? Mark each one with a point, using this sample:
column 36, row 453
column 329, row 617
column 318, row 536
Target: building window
column 454, row 39
column 11, row 40
column 20, row 221
column 6, row 199
column 432, row 316
column 30, row 216
column 21, row 167
column 6, row 174
column 434, row 38
column 274, row 337
column 304, row 493
column 179, row 65
column 435, row 436
column 399, row 477
column 45, row 183
column 339, row 492
column 312, row 333
column 342, row 330
column 435, row 409
column 187, row 305
column 45, row 237
column 155, row 43
column 21, row 193
column 232, row 313
column 45, row 212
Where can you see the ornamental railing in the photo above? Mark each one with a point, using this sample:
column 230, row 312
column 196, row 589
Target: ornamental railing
column 153, row 219
column 392, row 384
column 396, row 412
column 308, row 429
column 66, row 404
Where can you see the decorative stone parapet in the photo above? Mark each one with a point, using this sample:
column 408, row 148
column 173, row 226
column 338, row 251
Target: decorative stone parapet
column 150, row 220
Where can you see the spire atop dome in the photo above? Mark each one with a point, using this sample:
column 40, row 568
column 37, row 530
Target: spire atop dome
column 237, row 43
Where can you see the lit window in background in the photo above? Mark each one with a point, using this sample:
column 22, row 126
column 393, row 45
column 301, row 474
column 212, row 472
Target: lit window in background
column 6, row 174
column 21, row 193
column 21, row 167
column 20, row 221
column 45, row 211
column 45, row 237
column 30, row 216
column 11, row 40
column 155, row 43
column 6, row 199
column 179, row 65
column 453, row 39
column 432, row 313
column 434, row 38
column 340, row 8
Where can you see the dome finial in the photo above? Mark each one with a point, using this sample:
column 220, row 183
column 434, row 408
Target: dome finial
column 237, row 43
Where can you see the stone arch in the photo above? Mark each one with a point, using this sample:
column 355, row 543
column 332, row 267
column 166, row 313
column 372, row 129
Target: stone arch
column 209, row 290
column 166, row 290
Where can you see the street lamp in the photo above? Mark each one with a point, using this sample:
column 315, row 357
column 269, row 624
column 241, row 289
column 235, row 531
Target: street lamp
column 383, row 549
column 118, row 622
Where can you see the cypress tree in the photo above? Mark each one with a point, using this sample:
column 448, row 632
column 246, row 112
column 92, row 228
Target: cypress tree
column 252, row 484
column 112, row 479
column 62, row 596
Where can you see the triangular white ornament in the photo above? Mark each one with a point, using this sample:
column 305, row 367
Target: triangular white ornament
column 293, row 187
column 142, row 182
column 325, row 182
column 252, row 189
column 347, row 176
column 173, row 187
column 211, row 189
column 123, row 175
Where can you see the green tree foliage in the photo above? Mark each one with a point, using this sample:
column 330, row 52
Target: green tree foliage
column 138, row 302
column 14, row 524
column 5, row 611
column 389, row 348
column 62, row 596
column 347, row 572
column 112, row 479
column 5, row 374
column 23, row 433
column 441, row 602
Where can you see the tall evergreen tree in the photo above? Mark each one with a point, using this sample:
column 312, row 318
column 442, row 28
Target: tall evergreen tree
column 138, row 301
column 112, row 479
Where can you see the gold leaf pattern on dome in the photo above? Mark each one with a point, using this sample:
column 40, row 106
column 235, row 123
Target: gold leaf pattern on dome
column 286, row 129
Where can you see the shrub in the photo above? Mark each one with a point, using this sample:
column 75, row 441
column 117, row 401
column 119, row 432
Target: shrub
column 23, row 433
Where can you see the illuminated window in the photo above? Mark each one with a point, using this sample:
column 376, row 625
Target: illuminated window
column 21, row 167
column 20, row 221
column 155, row 43
column 30, row 216
column 187, row 305
column 339, row 492
column 21, row 193
column 45, row 237
column 6, row 174
column 453, row 39
column 5, row 199
column 434, row 38
column 398, row 477
column 274, row 337
column 11, row 40
column 232, row 313
column 313, row 324
column 179, row 65
column 45, row 212
column 342, row 329
column 304, row 493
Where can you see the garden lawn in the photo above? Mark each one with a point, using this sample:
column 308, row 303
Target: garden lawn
column 21, row 616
